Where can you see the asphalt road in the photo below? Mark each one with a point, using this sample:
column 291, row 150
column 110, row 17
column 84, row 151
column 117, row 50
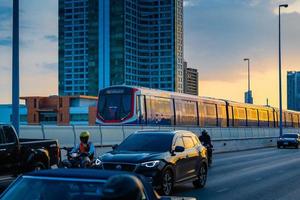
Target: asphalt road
column 263, row 174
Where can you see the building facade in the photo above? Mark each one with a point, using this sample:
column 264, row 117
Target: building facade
column 115, row 42
column 61, row 110
column 191, row 82
column 293, row 90
column 6, row 114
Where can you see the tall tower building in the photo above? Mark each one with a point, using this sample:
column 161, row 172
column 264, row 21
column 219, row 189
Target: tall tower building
column 293, row 90
column 191, row 80
column 114, row 42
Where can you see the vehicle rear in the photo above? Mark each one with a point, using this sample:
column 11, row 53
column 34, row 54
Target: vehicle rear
column 289, row 140
column 48, row 147
column 116, row 105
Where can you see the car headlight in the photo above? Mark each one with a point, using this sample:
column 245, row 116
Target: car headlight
column 98, row 162
column 150, row 164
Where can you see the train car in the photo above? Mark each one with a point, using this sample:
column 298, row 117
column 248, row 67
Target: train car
column 119, row 105
column 134, row 105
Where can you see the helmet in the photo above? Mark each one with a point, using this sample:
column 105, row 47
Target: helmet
column 84, row 136
column 204, row 132
column 125, row 187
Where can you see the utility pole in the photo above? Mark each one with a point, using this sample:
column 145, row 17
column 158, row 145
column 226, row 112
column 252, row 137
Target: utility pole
column 15, row 68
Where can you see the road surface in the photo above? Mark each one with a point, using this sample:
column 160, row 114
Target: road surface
column 263, row 174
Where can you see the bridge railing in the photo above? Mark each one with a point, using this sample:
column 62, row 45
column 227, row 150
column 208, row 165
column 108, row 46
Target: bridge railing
column 109, row 135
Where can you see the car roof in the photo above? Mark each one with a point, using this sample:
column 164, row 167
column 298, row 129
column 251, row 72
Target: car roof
column 77, row 173
column 171, row 132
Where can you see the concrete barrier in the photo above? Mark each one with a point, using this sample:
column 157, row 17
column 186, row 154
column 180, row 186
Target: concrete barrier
column 224, row 139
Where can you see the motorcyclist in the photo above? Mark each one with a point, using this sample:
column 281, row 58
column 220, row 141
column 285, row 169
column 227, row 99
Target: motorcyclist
column 125, row 187
column 85, row 148
column 206, row 141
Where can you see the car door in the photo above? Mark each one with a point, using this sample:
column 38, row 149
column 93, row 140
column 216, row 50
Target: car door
column 5, row 170
column 11, row 149
column 2, row 154
column 179, row 159
column 192, row 155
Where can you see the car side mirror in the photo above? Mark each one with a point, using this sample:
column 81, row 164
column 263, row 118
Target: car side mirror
column 179, row 149
column 114, row 147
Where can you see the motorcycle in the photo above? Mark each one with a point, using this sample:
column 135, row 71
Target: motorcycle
column 75, row 159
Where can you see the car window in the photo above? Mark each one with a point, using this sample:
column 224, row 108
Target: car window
column 9, row 134
column 188, row 142
column 196, row 140
column 67, row 189
column 1, row 136
column 179, row 142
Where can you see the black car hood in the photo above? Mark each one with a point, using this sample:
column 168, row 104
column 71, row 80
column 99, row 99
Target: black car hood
column 131, row 157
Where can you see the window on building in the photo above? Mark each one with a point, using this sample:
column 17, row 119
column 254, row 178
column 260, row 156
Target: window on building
column 79, row 117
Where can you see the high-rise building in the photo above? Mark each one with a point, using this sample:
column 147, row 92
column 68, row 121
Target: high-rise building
column 190, row 77
column 114, row 42
column 293, row 90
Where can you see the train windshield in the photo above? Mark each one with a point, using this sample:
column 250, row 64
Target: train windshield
column 115, row 104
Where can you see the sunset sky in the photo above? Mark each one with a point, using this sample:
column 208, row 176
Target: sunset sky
column 218, row 35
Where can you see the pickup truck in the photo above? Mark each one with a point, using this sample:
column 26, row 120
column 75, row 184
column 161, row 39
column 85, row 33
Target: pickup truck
column 18, row 155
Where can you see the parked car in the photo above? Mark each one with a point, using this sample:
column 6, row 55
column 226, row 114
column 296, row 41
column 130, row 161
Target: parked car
column 74, row 184
column 20, row 155
column 165, row 158
column 289, row 139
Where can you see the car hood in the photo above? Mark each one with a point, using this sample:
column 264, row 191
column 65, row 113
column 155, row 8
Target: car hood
column 131, row 157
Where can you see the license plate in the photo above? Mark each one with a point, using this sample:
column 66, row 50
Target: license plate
column 286, row 143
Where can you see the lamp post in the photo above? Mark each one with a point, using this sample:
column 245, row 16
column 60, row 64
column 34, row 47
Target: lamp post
column 280, row 86
column 15, row 67
column 248, row 94
column 248, row 60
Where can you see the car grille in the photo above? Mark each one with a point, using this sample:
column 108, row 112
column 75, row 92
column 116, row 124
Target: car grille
column 120, row 166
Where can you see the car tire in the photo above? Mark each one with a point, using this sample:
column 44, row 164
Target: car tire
column 202, row 177
column 297, row 146
column 167, row 183
column 278, row 146
column 37, row 166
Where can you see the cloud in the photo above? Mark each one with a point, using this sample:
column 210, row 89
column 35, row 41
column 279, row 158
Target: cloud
column 187, row 3
column 52, row 67
column 7, row 41
column 294, row 7
column 51, row 38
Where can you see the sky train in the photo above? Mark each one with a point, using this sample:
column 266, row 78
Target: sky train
column 119, row 105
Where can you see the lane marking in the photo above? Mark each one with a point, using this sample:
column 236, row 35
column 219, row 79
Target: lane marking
column 223, row 190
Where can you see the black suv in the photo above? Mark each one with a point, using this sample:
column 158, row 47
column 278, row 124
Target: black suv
column 165, row 158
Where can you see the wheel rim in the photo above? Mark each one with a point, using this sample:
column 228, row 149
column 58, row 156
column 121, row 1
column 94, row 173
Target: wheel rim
column 167, row 183
column 202, row 175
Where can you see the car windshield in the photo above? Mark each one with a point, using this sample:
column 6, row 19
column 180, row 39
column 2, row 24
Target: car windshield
column 290, row 136
column 54, row 189
column 147, row 142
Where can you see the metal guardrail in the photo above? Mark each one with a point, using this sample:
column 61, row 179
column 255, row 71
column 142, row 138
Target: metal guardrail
column 109, row 135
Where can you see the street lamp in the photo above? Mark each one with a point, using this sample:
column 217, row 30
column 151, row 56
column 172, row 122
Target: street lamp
column 247, row 59
column 248, row 94
column 279, row 52
column 15, row 68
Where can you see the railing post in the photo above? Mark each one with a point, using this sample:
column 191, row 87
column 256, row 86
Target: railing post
column 123, row 132
column 74, row 133
column 43, row 131
column 101, row 135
